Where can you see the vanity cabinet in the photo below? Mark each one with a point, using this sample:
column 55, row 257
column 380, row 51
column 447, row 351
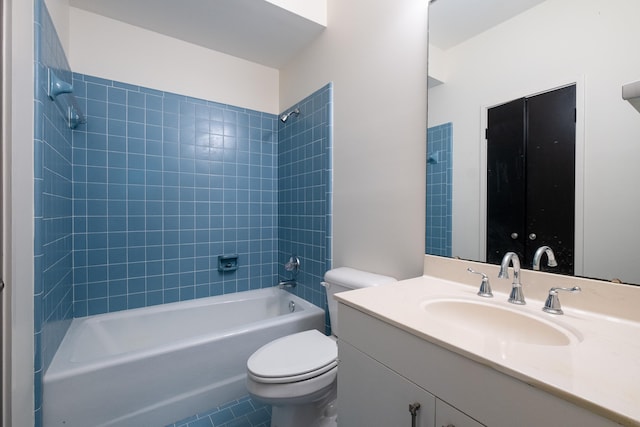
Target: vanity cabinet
column 384, row 368
column 448, row 416
column 374, row 395
column 377, row 396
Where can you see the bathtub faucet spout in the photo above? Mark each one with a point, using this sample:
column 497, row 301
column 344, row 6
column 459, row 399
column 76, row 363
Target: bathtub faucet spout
column 287, row 284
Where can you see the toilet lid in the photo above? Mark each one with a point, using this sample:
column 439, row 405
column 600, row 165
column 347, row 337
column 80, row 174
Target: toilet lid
column 294, row 358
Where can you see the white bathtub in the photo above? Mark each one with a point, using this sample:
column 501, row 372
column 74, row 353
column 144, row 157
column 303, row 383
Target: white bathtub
column 152, row 366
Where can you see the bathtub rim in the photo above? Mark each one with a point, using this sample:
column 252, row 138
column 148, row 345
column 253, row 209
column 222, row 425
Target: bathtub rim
column 61, row 366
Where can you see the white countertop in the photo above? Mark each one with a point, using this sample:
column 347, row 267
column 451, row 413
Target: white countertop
column 599, row 370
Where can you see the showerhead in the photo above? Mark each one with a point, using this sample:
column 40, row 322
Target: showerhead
column 285, row 116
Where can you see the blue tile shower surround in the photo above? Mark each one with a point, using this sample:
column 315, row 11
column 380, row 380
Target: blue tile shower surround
column 53, row 208
column 133, row 207
column 162, row 185
column 304, row 193
column 244, row 412
column 439, row 190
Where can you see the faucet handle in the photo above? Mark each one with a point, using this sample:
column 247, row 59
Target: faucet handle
column 293, row 264
column 485, row 286
column 552, row 304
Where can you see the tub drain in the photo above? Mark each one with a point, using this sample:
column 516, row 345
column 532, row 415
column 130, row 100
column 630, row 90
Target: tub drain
column 292, row 306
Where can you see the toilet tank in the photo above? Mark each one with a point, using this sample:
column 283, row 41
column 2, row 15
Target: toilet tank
column 345, row 279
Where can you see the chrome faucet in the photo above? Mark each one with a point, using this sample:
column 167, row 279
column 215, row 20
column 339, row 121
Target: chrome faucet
column 552, row 304
column 485, row 286
column 287, row 283
column 292, row 266
column 516, row 296
column 551, row 258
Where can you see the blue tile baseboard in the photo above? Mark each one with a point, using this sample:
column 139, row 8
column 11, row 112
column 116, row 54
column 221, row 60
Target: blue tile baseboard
column 244, row 412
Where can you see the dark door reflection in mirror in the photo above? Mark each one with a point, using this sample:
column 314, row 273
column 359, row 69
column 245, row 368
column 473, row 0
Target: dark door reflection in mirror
column 534, row 47
column 530, row 178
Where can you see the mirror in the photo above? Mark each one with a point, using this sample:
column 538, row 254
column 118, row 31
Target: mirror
column 484, row 54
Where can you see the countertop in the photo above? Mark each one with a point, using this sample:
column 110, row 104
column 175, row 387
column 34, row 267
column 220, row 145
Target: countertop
column 599, row 370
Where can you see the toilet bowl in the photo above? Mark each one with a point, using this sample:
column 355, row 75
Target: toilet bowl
column 297, row 373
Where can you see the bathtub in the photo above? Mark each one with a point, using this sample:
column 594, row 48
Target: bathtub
column 151, row 366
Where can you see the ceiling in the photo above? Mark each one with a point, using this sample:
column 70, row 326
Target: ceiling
column 453, row 21
column 262, row 32
column 255, row 30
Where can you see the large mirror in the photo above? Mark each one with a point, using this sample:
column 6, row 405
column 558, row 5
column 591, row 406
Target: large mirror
column 486, row 54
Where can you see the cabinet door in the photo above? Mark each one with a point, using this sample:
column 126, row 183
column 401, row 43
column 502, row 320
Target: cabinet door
column 372, row 395
column 448, row 416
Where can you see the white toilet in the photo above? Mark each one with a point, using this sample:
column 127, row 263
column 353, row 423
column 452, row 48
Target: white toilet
column 297, row 373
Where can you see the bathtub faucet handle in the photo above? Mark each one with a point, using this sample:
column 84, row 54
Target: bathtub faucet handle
column 293, row 265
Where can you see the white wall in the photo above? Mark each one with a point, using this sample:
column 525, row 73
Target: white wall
column 111, row 49
column 590, row 42
column 375, row 53
column 59, row 12
column 437, row 65
column 18, row 123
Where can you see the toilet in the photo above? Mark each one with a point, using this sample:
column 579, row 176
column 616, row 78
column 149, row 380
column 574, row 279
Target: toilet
column 297, row 373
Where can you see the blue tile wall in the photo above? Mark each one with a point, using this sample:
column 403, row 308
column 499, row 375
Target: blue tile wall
column 162, row 185
column 304, row 192
column 439, row 190
column 53, row 272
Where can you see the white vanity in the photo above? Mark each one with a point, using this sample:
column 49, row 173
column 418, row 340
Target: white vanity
column 473, row 361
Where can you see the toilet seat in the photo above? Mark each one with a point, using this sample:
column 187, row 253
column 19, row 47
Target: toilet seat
column 293, row 358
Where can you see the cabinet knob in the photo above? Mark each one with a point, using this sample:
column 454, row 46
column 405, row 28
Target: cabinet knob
column 514, row 236
column 533, row 236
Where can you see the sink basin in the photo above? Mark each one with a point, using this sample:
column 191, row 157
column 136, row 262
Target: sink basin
column 498, row 322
